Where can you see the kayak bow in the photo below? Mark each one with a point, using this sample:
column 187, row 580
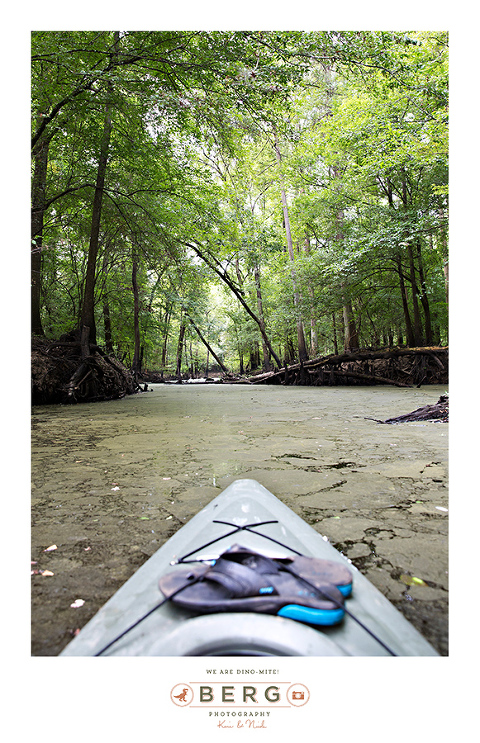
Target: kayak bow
column 139, row 621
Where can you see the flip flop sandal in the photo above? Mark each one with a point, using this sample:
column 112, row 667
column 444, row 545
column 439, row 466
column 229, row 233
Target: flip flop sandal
column 311, row 569
column 298, row 588
column 315, row 570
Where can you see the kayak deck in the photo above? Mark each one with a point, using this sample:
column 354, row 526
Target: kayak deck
column 246, row 514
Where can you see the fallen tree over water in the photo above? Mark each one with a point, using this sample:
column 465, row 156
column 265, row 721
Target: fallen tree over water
column 61, row 373
column 402, row 367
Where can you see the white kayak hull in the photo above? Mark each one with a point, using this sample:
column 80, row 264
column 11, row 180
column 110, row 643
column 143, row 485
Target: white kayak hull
column 172, row 631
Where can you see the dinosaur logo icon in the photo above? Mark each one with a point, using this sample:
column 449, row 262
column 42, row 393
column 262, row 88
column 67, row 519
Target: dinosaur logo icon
column 181, row 695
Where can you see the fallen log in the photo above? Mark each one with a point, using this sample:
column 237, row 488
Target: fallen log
column 437, row 412
column 230, row 379
column 373, row 355
column 266, row 375
column 369, row 368
column 372, row 378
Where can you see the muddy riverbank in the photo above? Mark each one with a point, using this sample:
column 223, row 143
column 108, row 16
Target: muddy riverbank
column 112, row 481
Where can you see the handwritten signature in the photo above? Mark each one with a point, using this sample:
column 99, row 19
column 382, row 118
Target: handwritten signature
column 249, row 724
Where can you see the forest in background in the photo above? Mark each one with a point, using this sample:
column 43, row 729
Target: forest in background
column 238, row 200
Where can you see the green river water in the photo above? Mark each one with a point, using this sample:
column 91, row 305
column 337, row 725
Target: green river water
column 111, row 481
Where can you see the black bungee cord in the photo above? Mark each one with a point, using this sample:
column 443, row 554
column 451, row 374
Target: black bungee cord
column 150, row 611
column 250, row 528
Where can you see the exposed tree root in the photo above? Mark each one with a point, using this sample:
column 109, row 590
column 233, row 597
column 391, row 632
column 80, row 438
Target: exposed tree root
column 61, row 375
column 402, row 367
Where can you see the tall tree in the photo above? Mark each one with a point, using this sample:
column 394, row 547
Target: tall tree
column 302, row 346
column 158, row 140
column 87, row 318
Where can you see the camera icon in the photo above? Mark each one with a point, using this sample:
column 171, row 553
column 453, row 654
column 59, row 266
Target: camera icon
column 298, row 695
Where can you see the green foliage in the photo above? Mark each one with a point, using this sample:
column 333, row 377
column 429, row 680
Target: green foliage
column 361, row 121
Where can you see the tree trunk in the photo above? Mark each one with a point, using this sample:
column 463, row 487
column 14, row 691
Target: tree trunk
column 406, row 312
column 334, row 326
column 445, row 273
column 417, row 323
column 424, row 297
column 442, row 241
column 399, row 268
column 107, row 324
column 350, row 326
column 166, row 323
column 254, row 354
column 302, row 347
column 240, row 352
column 39, row 182
column 87, row 317
column 136, row 364
column 191, row 366
column 313, row 336
column 181, row 336
column 217, row 267
column 266, row 356
column 208, row 347
column 313, row 319
column 240, row 359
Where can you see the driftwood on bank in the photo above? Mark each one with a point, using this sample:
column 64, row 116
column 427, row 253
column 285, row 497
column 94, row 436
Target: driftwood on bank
column 402, row 367
column 437, row 412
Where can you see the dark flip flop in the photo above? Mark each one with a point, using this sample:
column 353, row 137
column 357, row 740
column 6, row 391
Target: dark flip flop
column 302, row 588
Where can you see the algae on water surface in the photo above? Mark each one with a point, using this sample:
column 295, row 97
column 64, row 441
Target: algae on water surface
column 111, row 481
